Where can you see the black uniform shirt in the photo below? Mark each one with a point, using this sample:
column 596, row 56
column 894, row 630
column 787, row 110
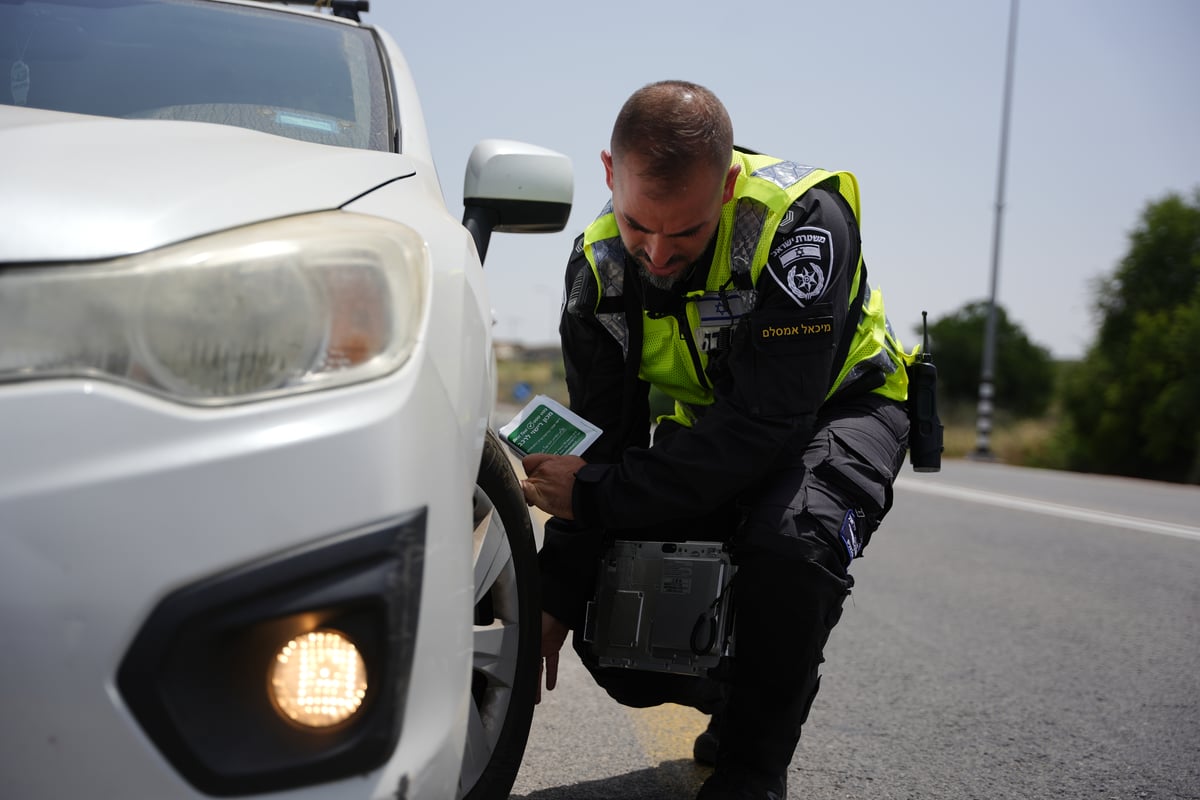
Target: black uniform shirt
column 768, row 387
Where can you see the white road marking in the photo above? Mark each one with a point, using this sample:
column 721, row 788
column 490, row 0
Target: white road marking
column 1053, row 509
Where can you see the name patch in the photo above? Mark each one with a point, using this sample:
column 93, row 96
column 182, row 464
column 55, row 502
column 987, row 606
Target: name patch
column 790, row 331
column 818, row 326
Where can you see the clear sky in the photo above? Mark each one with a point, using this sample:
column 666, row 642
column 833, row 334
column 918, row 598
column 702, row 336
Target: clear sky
column 907, row 95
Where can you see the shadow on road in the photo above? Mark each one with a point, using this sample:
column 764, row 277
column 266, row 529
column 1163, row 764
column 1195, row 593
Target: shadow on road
column 670, row 780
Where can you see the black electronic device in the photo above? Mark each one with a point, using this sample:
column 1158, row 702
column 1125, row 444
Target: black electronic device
column 924, row 426
column 662, row 606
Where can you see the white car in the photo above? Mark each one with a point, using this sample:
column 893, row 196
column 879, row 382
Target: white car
column 256, row 536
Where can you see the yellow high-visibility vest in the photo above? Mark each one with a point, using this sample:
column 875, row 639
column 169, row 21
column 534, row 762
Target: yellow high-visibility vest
column 674, row 360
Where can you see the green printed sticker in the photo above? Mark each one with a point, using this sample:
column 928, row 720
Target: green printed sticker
column 547, row 426
column 543, row 431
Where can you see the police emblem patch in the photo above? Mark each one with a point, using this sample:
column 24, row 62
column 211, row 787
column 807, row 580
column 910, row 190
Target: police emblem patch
column 802, row 264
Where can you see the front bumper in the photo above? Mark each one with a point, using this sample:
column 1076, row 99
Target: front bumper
column 112, row 502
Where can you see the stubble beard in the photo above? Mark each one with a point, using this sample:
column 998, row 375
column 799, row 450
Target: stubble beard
column 659, row 281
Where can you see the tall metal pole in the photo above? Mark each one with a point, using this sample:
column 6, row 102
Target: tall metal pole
column 983, row 425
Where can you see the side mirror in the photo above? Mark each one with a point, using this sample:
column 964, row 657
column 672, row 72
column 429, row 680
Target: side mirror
column 513, row 187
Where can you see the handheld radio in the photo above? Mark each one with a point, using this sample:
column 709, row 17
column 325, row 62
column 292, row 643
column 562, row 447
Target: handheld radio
column 924, row 426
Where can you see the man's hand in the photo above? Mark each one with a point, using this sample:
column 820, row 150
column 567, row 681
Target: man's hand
column 549, row 482
column 554, row 633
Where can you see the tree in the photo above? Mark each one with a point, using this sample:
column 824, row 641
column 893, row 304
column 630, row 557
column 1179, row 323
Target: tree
column 1024, row 371
column 1132, row 408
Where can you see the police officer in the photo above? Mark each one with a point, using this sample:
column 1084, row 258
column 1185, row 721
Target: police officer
column 735, row 284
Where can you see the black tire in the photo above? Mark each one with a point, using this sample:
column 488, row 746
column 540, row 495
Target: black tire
column 507, row 630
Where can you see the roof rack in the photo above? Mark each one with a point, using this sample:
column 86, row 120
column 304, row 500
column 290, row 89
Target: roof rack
column 346, row 9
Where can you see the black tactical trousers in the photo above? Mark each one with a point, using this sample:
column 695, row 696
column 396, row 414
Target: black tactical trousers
column 792, row 540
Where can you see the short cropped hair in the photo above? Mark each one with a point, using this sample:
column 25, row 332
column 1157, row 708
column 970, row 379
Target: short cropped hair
column 673, row 126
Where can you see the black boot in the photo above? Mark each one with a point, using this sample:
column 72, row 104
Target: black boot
column 704, row 749
column 743, row 785
column 785, row 611
column 757, row 738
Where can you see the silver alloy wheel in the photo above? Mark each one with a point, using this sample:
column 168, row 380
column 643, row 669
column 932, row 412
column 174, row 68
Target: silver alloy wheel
column 496, row 637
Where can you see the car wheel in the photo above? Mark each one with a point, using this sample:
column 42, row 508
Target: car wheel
column 507, row 630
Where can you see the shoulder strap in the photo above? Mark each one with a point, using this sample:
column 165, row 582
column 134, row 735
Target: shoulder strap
column 853, row 316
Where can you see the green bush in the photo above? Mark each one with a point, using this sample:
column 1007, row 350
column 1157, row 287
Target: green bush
column 1131, row 408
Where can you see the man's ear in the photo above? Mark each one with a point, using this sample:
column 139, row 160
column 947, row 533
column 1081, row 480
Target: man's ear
column 606, row 157
column 730, row 183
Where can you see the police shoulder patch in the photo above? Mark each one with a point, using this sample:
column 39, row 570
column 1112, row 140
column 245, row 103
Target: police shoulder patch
column 802, row 264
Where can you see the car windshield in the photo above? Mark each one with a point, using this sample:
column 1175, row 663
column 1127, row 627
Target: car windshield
column 316, row 80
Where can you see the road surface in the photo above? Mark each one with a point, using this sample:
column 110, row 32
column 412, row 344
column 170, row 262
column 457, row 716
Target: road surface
column 1013, row 633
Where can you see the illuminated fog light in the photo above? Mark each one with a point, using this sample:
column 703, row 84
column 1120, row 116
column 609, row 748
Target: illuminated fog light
column 318, row 679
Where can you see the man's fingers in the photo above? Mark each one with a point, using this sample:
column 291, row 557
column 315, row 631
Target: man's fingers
column 531, row 462
column 547, row 666
column 551, row 672
column 534, row 496
column 554, row 634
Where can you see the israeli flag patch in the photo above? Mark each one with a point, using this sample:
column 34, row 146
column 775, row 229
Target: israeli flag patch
column 849, row 534
column 719, row 314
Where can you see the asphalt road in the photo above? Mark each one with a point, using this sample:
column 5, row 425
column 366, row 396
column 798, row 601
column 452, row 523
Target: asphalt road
column 1013, row 633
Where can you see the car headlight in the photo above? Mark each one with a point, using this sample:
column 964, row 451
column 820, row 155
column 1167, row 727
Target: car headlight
column 291, row 305
column 286, row 672
column 318, row 680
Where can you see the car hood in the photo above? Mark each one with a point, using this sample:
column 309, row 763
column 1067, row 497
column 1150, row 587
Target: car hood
column 80, row 188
